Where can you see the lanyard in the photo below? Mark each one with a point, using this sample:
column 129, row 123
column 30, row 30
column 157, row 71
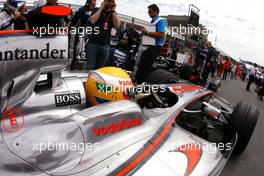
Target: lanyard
column 106, row 19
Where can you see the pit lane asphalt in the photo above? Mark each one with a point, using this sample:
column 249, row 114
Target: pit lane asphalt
column 251, row 161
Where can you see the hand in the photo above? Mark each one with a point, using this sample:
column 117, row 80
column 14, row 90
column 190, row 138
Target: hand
column 102, row 5
column 144, row 30
column 114, row 7
column 208, row 64
column 17, row 15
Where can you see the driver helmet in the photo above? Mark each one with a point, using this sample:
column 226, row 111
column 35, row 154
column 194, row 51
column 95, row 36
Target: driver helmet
column 107, row 84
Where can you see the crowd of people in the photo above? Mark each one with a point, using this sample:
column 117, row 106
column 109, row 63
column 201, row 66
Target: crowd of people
column 225, row 67
column 235, row 70
column 15, row 16
column 104, row 18
column 97, row 47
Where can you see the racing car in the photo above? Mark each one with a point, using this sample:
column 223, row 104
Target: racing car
column 56, row 122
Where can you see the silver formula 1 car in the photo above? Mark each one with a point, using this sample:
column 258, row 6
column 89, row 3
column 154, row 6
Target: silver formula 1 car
column 47, row 128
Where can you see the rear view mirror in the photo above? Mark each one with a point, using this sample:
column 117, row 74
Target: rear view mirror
column 211, row 110
column 56, row 10
column 192, row 111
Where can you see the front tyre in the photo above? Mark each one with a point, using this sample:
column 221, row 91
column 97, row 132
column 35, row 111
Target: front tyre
column 243, row 122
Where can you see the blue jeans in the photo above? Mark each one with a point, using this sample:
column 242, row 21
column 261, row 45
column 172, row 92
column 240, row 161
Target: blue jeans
column 97, row 55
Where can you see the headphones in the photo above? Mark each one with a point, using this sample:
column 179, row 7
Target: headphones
column 87, row 2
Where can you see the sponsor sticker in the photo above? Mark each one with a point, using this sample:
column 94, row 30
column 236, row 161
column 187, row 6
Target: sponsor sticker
column 35, row 53
column 116, row 127
column 12, row 120
column 67, row 98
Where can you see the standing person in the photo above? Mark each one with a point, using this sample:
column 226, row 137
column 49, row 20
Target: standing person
column 36, row 18
column 8, row 15
column 244, row 72
column 149, row 56
column 210, row 62
column 227, row 66
column 20, row 23
column 174, row 46
column 233, row 69
column 80, row 19
column 237, row 70
column 218, row 66
column 98, row 47
column 221, row 68
column 257, row 82
column 252, row 73
column 230, row 67
column 261, row 90
column 241, row 72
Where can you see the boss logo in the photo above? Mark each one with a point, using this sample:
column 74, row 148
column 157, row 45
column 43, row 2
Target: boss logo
column 67, row 99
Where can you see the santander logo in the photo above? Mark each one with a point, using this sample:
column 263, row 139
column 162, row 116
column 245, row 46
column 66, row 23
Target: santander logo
column 115, row 127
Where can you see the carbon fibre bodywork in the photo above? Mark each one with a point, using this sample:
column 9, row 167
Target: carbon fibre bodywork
column 128, row 139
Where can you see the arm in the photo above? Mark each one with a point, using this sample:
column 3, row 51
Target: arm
column 75, row 19
column 116, row 21
column 212, row 55
column 95, row 17
column 156, row 35
column 161, row 29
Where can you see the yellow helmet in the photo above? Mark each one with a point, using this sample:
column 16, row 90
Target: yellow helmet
column 107, row 84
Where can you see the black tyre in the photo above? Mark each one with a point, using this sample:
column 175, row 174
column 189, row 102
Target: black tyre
column 243, row 121
column 214, row 85
column 211, row 87
column 161, row 76
column 186, row 71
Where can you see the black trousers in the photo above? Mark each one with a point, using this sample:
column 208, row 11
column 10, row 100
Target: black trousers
column 205, row 75
column 146, row 62
column 261, row 91
column 75, row 52
column 250, row 81
column 244, row 76
column 225, row 74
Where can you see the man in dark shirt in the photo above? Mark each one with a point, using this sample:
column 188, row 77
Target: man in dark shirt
column 210, row 63
column 37, row 19
column 98, row 47
column 80, row 19
column 20, row 22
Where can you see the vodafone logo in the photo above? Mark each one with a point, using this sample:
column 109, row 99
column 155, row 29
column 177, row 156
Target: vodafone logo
column 115, row 127
column 125, row 83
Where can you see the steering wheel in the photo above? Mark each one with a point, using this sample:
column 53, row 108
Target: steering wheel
column 164, row 98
